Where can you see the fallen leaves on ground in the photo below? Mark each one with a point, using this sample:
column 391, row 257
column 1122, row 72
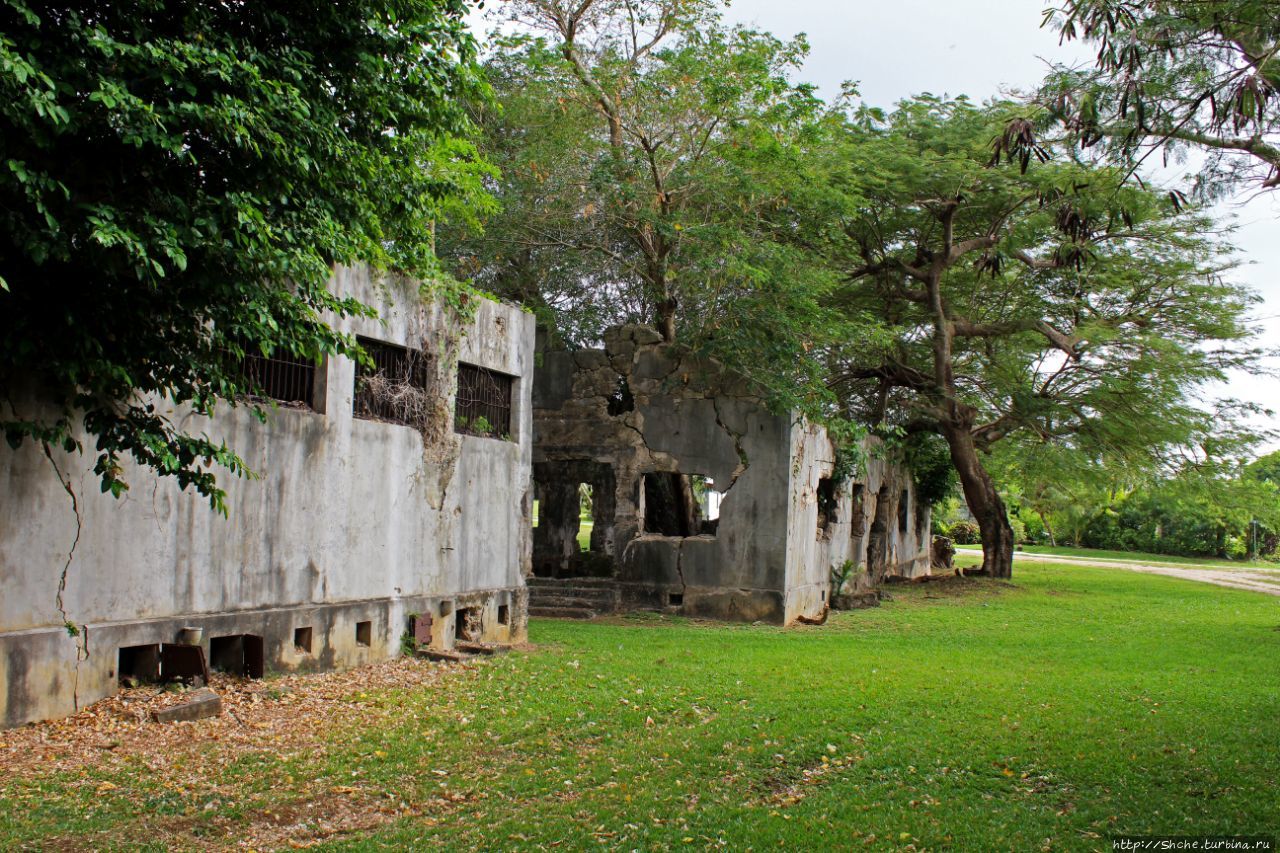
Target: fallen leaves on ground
column 284, row 718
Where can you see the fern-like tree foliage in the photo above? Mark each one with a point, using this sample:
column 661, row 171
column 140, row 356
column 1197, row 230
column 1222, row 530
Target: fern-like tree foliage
column 1173, row 76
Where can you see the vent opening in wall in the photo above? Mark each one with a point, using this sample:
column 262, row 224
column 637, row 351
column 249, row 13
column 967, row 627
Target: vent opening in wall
column 467, row 624
column 675, row 599
column 364, row 633
column 237, row 654
column 504, row 614
column 138, row 664
column 621, row 400
column 302, row 640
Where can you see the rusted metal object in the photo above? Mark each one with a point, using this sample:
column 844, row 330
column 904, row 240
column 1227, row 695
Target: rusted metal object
column 422, row 629
column 185, row 662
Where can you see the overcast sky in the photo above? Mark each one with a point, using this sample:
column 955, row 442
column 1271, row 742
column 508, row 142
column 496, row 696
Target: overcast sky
column 982, row 48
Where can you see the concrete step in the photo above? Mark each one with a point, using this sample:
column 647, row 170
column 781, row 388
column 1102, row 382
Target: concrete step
column 563, row 601
column 606, row 583
column 486, row 649
column 585, row 594
column 562, row 612
column 444, row 655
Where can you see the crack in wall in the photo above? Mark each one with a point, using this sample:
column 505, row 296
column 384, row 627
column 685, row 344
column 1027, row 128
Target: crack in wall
column 743, row 461
column 680, row 568
column 79, row 633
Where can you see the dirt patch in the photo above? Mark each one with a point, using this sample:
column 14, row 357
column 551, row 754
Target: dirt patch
column 1256, row 580
column 950, row 586
column 787, row 785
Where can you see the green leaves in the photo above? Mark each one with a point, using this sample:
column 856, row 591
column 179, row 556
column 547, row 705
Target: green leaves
column 177, row 176
column 1172, row 76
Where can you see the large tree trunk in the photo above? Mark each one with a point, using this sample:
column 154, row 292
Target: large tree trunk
column 667, row 319
column 984, row 502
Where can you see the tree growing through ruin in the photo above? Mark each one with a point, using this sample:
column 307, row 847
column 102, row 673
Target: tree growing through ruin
column 638, row 141
column 643, row 147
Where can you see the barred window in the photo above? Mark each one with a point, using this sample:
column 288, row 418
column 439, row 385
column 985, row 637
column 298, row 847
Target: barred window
column 280, row 376
column 397, row 388
column 484, row 402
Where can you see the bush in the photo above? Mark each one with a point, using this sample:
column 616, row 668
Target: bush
column 1033, row 528
column 965, row 533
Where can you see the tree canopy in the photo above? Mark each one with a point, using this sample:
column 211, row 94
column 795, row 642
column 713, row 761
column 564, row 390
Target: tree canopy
column 1057, row 301
column 179, row 178
column 1175, row 75
column 646, row 152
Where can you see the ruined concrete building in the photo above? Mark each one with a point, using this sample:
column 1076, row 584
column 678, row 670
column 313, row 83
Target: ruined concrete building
column 384, row 493
column 393, row 502
column 701, row 500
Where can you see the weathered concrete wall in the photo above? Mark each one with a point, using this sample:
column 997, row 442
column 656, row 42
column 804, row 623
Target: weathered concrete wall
column 607, row 418
column 821, row 542
column 679, row 418
column 351, row 521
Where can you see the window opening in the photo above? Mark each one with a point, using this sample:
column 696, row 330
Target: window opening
column 827, row 505
column 484, row 402
column 396, row 388
column 280, row 376
column 680, row 504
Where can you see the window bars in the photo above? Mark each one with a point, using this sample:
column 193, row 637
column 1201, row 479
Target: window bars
column 484, row 402
column 396, row 388
column 281, row 376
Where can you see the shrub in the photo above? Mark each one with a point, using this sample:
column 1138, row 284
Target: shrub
column 965, row 533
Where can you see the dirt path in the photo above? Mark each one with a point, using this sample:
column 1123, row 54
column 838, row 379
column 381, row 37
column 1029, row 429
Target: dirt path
column 1266, row 581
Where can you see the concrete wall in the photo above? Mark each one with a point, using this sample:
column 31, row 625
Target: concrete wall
column 350, row 521
column 875, row 490
column 764, row 560
column 680, row 419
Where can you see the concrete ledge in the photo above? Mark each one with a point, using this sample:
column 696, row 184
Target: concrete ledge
column 45, row 673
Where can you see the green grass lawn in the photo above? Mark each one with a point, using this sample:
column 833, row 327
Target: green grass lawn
column 1138, row 556
column 1075, row 704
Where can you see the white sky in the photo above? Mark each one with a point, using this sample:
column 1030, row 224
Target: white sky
column 980, row 48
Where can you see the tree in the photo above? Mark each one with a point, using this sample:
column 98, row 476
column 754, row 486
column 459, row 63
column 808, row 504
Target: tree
column 179, row 178
column 1062, row 486
column 644, row 149
column 1173, row 75
column 1056, row 301
column 1194, row 512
